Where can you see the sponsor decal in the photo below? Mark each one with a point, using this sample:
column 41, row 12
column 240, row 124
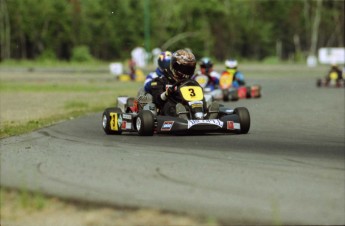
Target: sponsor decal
column 119, row 121
column 123, row 126
column 167, row 125
column 153, row 83
column 230, row 125
column 216, row 122
column 197, row 105
column 128, row 125
column 126, row 116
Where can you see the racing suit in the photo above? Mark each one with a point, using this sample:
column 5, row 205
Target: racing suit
column 158, row 86
column 150, row 77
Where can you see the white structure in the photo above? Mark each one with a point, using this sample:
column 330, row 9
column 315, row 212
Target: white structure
column 311, row 61
column 116, row 68
column 332, row 55
column 155, row 54
column 139, row 56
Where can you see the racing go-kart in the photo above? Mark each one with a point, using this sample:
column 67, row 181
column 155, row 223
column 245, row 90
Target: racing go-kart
column 226, row 91
column 230, row 93
column 332, row 81
column 184, row 112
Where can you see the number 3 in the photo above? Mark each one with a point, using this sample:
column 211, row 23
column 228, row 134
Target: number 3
column 192, row 93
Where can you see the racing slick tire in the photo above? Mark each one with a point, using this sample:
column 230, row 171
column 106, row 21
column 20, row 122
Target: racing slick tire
column 318, row 82
column 225, row 95
column 145, row 123
column 106, row 120
column 244, row 118
column 259, row 92
column 248, row 92
column 234, row 95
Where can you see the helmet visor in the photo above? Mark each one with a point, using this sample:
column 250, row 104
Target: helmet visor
column 182, row 70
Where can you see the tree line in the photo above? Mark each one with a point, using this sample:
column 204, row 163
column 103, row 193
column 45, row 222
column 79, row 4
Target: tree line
column 110, row 29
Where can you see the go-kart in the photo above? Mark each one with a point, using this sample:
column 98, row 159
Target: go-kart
column 184, row 112
column 211, row 92
column 138, row 76
column 231, row 93
column 331, row 81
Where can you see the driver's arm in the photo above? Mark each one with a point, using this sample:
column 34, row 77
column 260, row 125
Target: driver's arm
column 158, row 92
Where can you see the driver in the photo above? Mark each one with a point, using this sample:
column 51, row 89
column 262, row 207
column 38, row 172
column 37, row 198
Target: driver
column 163, row 62
column 206, row 68
column 338, row 74
column 182, row 67
column 231, row 67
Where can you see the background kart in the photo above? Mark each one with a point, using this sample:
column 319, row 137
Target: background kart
column 225, row 91
column 330, row 83
column 141, row 115
column 231, row 93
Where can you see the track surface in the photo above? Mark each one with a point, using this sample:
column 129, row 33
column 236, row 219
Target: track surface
column 289, row 169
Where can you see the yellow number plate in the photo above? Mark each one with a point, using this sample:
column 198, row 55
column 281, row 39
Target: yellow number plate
column 202, row 80
column 192, row 93
column 333, row 76
column 226, row 80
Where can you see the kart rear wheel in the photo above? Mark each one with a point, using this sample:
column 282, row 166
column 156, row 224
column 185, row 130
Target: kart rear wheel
column 225, row 95
column 248, row 92
column 259, row 92
column 318, row 82
column 107, row 120
column 145, row 123
column 244, row 118
column 234, row 95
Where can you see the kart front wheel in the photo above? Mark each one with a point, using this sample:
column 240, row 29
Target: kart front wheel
column 110, row 121
column 318, row 82
column 244, row 118
column 145, row 123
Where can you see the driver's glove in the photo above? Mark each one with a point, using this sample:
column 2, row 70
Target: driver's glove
column 168, row 91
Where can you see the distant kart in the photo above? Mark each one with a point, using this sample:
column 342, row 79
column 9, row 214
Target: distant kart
column 138, row 77
column 186, row 113
column 333, row 81
column 226, row 91
column 233, row 94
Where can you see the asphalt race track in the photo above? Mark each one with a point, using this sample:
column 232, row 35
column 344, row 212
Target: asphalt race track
column 289, row 168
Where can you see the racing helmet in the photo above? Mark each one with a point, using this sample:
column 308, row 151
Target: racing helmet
column 206, row 64
column 182, row 65
column 163, row 60
column 231, row 64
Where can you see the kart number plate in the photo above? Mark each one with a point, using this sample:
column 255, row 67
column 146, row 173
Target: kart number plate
column 114, row 122
column 192, row 93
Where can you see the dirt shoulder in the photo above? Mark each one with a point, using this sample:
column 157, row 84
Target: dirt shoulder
column 24, row 208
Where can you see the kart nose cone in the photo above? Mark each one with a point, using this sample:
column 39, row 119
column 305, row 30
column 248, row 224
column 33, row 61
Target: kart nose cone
column 199, row 115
